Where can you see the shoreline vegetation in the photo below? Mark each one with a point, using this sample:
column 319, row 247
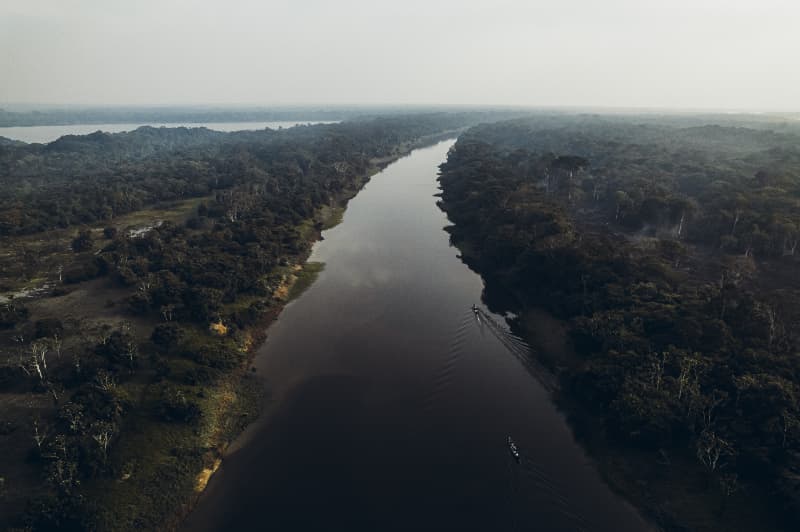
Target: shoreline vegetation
column 297, row 280
column 162, row 262
column 651, row 265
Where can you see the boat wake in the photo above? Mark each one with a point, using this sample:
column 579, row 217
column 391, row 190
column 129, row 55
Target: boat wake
column 444, row 375
column 516, row 346
column 548, row 493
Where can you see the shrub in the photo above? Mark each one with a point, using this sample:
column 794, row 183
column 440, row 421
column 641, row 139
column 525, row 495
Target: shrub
column 83, row 242
column 11, row 314
column 81, row 272
column 174, row 405
column 49, row 327
column 167, row 335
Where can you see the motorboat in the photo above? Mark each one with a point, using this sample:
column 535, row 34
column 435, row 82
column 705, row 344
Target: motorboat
column 475, row 309
column 513, row 448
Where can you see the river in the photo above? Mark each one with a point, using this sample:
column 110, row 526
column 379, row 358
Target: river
column 392, row 401
column 44, row 134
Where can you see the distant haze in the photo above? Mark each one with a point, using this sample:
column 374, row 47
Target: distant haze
column 716, row 54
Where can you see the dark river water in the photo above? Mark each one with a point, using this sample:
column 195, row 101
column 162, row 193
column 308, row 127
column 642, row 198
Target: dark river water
column 392, row 401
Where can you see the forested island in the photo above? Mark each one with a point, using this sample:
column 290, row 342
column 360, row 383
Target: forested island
column 652, row 262
column 137, row 274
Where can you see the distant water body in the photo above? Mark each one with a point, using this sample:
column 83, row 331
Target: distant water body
column 45, row 134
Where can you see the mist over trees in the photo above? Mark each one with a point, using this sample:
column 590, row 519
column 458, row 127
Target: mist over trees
column 84, row 179
column 669, row 250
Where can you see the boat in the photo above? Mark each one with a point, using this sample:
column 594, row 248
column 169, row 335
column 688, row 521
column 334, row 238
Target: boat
column 513, row 448
column 475, row 309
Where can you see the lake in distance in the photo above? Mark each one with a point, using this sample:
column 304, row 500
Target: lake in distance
column 45, row 134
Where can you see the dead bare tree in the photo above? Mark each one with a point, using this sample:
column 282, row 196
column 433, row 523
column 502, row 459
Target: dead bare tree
column 63, row 470
column 76, row 361
column 711, row 448
column 688, row 375
column 104, row 381
column 35, row 360
column 40, row 433
column 56, row 343
column 73, row 414
column 657, row 365
column 168, row 312
column 774, row 324
column 102, row 433
column 737, row 217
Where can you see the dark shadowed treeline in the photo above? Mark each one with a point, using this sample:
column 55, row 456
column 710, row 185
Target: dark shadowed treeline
column 671, row 253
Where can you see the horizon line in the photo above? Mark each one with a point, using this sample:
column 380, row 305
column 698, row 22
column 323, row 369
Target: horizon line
column 340, row 106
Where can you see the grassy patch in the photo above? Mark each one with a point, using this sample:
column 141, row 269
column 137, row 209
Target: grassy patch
column 305, row 278
column 155, row 464
column 159, row 466
column 331, row 216
column 179, row 211
column 307, row 230
column 31, row 261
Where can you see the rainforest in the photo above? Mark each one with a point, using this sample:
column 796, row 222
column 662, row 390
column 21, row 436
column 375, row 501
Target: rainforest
column 138, row 272
column 663, row 250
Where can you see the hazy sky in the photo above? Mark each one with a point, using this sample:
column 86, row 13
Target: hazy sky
column 629, row 53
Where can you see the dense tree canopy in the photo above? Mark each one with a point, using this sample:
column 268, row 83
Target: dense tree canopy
column 671, row 253
column 184, row 294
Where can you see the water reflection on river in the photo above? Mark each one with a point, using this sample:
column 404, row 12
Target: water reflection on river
column 394, row 401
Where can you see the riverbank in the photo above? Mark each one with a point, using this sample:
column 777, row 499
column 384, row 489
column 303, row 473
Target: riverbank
column 178, row 396
column 165, row 467
column 297, row 278
column 187, row 457
column 618, row 308
column 145, row 327
column 369, row 397
column 666, row 485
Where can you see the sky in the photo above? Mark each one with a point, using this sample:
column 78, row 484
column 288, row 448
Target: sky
column 687, row 54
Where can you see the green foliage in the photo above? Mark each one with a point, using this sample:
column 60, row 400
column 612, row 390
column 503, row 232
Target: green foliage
column 305, row 278
column 167, row 335
column 83, row 242
column 12, row 313
column 47, row 328
column 92, row 178
column 58, row 513
column 263, row 193
column 655, row 241
column 177, row 405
